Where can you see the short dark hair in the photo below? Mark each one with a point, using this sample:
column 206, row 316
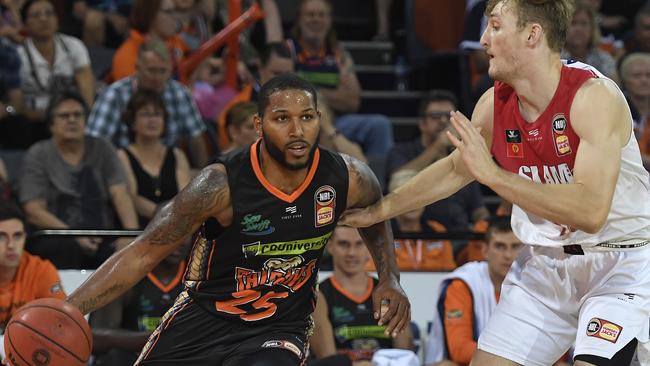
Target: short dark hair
column 59, row 98
column 140, row 99
column 499, row 224
column 28, row 4
column 283, row 82
column 9, row 211
column 279, row 49
column 437, row 95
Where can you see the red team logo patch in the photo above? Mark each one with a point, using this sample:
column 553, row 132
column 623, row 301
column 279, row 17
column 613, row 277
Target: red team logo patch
column 324, row 205
column 514, row 147
column 603, row 329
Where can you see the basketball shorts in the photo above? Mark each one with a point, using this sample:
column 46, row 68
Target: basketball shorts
column 189, row 335
column 550, row 300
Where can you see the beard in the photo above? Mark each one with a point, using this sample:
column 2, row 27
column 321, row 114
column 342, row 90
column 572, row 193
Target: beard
column 277, row 155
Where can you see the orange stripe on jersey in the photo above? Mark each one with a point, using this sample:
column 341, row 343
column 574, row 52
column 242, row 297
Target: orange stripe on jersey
column 458, row 319
column 170, row 286
column 359, row 299
column 207, row 274
column 274, row 191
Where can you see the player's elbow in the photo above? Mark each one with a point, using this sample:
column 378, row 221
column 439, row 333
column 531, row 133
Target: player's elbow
column 593, row 223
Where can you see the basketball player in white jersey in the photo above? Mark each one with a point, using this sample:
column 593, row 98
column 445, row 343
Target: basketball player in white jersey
column 561, row 135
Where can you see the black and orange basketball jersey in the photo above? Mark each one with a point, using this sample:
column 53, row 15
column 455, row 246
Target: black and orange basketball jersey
column 263, row 267
column 150, row 300
column 356, row 332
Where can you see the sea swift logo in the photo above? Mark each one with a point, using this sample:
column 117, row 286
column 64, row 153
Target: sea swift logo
column 254, row 225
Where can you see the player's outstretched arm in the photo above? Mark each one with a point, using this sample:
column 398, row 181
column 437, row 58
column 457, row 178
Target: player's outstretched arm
column 365, row 190
column 437, row 181
column 206, row 195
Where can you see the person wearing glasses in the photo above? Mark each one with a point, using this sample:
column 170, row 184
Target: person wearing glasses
column 73, row 181
column 461, row 209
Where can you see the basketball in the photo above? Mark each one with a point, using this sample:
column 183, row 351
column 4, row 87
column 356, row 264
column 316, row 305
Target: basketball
column 48, row 332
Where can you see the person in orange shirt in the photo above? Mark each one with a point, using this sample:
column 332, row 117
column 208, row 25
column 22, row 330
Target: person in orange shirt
column 23, row 277
column 468, row 295
column 149, row 19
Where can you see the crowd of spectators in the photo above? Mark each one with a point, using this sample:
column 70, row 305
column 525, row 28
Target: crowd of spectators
column 103, row 149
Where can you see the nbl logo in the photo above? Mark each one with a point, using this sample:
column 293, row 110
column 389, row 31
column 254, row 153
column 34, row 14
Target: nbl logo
column 559, row 123
column 593, row 327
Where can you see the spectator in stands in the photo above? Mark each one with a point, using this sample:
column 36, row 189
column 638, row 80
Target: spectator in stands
column 153, row 73
column 321, row 60
column 51, row 62
column 640, row 40
column 240, row 126
column 635, row 77
column 99, row 23
column 121, row 328
column 74, row 181
column 343, row 317
column 254, row 38
column 23, row 277
column 155, row 172
column 150, row 19
column 195, row 20
column 462, row 209
column 468, row 295
column 418, row 254
column 583, row 39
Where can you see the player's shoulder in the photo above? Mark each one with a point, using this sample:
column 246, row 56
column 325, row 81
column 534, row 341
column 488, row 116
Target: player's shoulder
column 598, row 94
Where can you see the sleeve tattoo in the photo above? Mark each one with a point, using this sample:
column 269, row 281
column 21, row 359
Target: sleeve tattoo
column 378, row 237
column 181, row 216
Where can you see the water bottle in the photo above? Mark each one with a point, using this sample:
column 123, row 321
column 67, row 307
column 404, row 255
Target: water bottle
column 401, row 74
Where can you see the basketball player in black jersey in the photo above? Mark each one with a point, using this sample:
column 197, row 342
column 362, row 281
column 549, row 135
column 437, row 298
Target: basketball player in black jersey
column 265, row 214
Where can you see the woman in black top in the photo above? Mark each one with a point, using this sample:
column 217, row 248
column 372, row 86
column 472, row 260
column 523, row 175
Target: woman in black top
column 156, row 172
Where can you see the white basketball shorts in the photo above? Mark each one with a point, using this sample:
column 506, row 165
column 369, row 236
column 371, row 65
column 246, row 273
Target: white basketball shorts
column 551, row 300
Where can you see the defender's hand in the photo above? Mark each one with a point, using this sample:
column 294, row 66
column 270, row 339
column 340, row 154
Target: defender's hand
column 391, row 306
column 472, row 148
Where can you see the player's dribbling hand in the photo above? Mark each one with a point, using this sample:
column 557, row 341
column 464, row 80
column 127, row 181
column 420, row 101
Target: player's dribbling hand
column 472, row 148
column 391, row 306
column 357, row 217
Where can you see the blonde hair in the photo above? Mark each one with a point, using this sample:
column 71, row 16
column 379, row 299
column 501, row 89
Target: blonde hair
column 554, row 16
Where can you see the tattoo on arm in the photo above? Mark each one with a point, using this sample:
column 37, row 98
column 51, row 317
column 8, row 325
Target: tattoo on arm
column 87, row 305
column 204, row 195
column 364, row 191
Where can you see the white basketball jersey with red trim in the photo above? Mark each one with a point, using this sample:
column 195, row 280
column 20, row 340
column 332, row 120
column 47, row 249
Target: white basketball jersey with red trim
column 544, row 151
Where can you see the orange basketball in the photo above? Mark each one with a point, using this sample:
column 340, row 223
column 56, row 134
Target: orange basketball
column 48, row 332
